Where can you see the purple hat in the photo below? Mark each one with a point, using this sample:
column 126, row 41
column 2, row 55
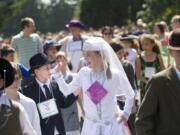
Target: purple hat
column 174, row 41
column 75, row 23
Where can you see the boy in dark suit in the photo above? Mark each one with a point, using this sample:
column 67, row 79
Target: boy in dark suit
column 160, row 108
column 49, row 99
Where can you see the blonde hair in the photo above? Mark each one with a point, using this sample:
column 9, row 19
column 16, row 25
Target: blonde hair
column 176, row 19
column 61, row 54
column 108, row 70
column 16, row 69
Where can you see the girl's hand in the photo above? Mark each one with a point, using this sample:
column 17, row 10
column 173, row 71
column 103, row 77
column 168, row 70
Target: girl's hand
column 59, row 67
column 121, row 118
column 77, row 92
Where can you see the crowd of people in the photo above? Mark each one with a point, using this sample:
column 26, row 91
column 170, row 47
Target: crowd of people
column 97, row 82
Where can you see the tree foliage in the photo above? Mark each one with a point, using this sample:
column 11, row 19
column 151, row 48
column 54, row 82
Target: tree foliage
column 96, row 13
column 158, row 10
column 47, row 18
column 9, row 9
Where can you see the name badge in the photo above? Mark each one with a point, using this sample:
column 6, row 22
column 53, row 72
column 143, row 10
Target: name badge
column 75, row 46
column 96, row 92
column 48, row 108
column 149, row 71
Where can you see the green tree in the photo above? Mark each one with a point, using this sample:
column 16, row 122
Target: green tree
column 96, row 13
column 48, row 18
column 158, row 10
column 8, row 9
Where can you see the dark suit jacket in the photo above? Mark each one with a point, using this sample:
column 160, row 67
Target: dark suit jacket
column 159, row 113
column 48, row 125
column 128, row 68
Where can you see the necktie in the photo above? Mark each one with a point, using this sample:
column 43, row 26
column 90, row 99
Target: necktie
column 47, row 91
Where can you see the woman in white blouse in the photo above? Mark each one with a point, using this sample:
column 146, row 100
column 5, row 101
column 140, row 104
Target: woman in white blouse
column 28, row 104
column 13, row 118
column 101, row 81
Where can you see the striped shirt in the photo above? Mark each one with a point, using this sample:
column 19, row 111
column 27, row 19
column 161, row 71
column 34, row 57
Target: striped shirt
column 26, row 47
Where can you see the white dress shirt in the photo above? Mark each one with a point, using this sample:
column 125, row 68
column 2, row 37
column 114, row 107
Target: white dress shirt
column 25, row 124
column 31, row 110
column 42, row 84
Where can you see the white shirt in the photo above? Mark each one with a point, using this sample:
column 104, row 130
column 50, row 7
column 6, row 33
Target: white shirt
column 42, row 84
column 31, row 110
column 74, row 54
column 25, row 124
column 132, row 55
column 73, row 49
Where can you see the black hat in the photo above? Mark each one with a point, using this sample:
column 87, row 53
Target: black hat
column 37, row 61
column 174, row 41
column 6, row 72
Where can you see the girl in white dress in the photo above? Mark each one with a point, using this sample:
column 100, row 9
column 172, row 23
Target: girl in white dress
column 106, row 74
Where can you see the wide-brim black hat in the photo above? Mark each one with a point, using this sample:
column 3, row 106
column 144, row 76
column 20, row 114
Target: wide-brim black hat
column 6, row 72
column 174, row 41
column 37, row 61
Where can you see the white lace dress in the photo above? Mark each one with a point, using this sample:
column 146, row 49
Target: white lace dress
column 100, row 119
